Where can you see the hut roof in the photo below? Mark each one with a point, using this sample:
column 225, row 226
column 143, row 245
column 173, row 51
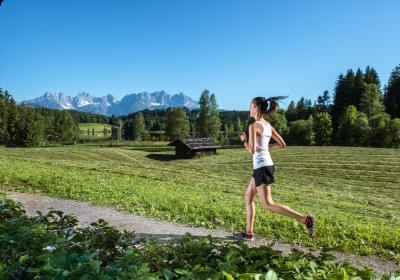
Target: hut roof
column 198, row 143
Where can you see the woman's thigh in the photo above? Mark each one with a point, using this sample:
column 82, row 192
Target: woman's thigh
column 264, row 192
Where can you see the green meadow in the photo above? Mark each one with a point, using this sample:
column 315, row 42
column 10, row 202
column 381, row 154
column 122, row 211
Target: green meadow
column 86, row 130
column 353, row 192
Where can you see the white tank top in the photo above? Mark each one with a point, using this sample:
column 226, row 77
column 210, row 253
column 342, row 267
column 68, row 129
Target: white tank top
column 262, row 157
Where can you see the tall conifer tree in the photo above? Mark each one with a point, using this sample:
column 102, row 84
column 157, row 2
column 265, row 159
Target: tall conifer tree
column 392, row 93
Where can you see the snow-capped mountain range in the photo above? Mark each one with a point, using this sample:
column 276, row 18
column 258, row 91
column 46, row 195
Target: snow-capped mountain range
column 109, row 105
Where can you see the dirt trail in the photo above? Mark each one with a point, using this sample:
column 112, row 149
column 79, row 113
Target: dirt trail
column 161, row 230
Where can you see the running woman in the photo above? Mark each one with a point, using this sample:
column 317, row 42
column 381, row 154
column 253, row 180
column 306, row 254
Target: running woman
column 257, row 143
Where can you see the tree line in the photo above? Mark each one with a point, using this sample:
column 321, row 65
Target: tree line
column 22, row 126
column 358, row 114
column 174, row 123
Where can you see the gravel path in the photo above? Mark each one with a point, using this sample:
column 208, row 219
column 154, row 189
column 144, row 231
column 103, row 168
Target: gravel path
column 146, row 227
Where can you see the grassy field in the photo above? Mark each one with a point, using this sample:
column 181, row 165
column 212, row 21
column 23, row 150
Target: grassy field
column 98, row 130
column 353, row 192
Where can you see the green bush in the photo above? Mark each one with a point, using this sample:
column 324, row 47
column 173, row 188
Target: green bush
column 323, row 128
column 301, row 132
column 52, row 247
column 353, row 128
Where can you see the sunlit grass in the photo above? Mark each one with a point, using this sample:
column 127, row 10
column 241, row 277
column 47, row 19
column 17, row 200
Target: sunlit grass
column 353, row 192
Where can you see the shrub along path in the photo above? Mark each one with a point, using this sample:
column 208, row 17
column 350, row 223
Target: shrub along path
column 160, row 230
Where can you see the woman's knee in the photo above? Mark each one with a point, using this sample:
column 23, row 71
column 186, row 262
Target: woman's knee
column 268, row 205
column 248, row 197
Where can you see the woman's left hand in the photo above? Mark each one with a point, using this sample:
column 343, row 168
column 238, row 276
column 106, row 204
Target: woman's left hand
column 243, row 137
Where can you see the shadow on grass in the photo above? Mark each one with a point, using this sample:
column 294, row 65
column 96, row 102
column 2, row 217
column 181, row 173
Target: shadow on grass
column 153, row 149
column 165, row 157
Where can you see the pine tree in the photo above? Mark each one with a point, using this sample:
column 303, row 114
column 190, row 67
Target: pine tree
column 214, row 122
column 139, row 128
column 203, row 120
column 303, row 108
column 359, row 88
column 350, row 90
column 3, row 118
column 6, row 102
column 48, row 124
column 392, row 94
column 291, row 113
column 342, row 96
column 177, row 124
column 323, row 102
column 371, row 101
column 34, row 129
column 193, row 117
column 22, row 124
column 371, row 76
column 65, row 128
column 12, row 124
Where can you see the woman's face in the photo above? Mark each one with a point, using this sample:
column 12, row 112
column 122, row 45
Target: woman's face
column 253, row 110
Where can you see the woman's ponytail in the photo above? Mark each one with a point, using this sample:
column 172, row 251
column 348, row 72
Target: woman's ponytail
column 273, row 104
column 269, row 105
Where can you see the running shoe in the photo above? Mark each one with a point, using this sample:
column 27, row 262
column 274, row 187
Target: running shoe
column 310, row 223
column 244, row 236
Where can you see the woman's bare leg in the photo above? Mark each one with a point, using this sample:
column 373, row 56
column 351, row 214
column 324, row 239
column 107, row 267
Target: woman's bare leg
column 250, row 206
column 264, row 192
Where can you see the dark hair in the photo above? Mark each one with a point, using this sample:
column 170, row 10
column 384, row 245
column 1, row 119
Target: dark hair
column 266, row 109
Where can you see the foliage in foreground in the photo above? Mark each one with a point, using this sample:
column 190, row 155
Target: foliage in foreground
column 52, row 247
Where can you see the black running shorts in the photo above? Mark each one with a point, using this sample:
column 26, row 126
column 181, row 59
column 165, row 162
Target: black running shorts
column 264, row 175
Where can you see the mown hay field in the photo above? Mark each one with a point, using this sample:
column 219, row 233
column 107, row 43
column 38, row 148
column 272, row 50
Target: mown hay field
column 353, row 192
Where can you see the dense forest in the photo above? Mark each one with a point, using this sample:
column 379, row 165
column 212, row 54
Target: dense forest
column 358, row 114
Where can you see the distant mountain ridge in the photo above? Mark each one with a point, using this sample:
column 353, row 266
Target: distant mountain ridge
column 109, row 105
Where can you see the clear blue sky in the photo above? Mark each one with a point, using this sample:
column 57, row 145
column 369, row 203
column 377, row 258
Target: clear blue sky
column 236, row 49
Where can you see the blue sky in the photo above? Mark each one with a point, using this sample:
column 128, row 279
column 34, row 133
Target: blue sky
column 236, row 49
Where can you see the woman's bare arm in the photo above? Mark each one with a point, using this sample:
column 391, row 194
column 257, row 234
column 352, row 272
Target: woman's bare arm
column 280, row 143
column 250, row 146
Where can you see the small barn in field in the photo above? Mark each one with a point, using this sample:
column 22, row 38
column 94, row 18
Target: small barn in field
column 195, row 147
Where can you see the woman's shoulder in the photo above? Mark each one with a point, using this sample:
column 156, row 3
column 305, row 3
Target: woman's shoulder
column 260, row 123
column 265, row 122
column 268, row 124
column 256, row 126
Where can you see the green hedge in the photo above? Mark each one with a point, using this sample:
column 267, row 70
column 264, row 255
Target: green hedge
column 51, row 246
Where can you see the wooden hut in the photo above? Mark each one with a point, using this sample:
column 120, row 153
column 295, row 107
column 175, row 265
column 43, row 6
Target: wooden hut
column 195, row 147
